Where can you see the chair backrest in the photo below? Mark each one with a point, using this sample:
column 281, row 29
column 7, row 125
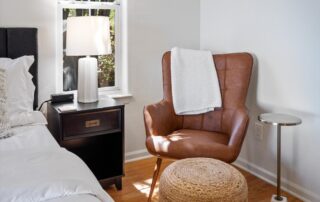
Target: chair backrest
column 234, row 72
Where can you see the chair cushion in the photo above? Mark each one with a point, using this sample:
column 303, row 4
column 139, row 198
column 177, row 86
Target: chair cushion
column 186, row 143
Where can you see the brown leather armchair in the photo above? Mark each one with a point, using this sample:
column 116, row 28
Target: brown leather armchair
column 218, row 134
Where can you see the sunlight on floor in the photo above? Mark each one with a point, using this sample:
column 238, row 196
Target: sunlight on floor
column 144, row 187
column 149, row 181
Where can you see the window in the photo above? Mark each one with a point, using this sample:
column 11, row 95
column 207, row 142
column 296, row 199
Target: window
column 108, row 65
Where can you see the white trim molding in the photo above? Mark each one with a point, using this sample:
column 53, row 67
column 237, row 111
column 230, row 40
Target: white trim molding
column 288, row 186
column 137, row 155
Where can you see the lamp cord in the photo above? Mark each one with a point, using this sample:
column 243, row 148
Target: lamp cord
column 43, row 103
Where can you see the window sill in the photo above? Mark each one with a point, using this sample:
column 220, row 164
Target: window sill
column 121, row 95
column 117, row 94
column 114, row 94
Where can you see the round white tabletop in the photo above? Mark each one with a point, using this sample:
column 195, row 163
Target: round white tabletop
column 279, row 119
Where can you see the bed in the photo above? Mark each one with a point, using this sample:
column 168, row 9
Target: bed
column 33, row 167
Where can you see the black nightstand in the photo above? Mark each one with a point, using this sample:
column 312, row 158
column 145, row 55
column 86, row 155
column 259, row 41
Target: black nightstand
column 94, row 132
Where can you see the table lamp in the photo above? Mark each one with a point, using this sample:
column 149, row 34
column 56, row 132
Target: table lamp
column 88, row 36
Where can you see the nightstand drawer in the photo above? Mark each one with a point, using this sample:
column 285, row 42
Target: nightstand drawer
column 92, row 122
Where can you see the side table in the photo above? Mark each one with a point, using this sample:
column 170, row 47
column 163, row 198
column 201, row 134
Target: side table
column 95, row 133
column 279, row 120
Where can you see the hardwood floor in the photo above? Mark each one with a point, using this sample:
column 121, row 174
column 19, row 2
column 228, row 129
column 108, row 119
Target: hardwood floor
column 137, row 182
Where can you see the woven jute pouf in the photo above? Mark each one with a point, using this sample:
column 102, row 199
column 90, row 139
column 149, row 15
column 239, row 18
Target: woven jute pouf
column 203, row 180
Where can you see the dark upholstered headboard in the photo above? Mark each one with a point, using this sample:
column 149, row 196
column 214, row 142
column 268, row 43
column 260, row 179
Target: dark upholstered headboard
column 16, row 42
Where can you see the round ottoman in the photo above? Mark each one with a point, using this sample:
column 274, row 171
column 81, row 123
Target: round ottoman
column 202, row 179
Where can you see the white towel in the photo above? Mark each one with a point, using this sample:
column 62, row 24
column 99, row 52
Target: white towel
column 195, row 84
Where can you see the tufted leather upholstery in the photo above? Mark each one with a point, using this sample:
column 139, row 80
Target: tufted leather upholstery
column 218, row 134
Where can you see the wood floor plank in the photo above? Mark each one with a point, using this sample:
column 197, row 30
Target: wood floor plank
column 136, row 184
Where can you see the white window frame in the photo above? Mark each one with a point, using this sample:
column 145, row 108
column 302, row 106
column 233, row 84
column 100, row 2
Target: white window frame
column 118, row 60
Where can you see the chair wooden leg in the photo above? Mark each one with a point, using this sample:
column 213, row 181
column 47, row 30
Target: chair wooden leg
column 154, row 178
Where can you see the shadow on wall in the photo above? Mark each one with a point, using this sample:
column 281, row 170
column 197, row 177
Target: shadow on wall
column 254, row 110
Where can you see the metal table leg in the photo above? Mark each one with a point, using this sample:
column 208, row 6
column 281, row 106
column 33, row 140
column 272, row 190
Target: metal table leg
column 279, row 198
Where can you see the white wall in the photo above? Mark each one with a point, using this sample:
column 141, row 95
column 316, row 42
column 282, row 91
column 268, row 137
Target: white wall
column 40, row 14
column 154, row 26
column 284, row 37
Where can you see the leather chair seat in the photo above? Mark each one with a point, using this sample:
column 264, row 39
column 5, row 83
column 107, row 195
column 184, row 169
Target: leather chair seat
column 186, row 143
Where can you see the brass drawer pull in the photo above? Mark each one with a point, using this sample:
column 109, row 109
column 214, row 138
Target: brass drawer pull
column 92, row 123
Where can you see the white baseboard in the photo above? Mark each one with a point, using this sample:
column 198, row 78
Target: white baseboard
column 137, row 155
column 288, row 186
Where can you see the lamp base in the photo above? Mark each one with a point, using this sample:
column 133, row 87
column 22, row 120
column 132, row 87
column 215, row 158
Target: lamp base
column 274, row 199
column 87, row 80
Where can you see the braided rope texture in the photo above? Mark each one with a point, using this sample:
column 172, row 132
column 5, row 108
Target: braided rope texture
column 202, row 180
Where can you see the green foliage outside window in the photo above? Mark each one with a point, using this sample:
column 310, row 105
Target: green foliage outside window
column 107, row 62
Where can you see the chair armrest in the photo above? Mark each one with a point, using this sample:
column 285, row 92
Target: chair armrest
column 239, row 125
column 159, row 119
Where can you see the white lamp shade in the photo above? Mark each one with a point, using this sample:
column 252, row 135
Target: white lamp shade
column 88, row 35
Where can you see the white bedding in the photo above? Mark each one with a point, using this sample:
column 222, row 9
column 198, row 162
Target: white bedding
column 76, row 198
column 45, row 174
column 34, row 168
column 29, row 137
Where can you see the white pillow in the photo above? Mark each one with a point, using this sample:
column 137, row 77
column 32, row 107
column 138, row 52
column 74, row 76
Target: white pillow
column 4, row 119
column 20, row 88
